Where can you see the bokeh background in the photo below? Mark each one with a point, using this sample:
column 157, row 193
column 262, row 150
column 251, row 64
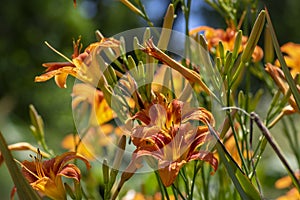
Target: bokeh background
column 25, row 25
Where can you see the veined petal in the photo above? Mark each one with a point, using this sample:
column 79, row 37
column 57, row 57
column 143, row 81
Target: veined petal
column 174, row 112
column 158, row 115
column 200, row 138
column 70, row 171
column 50, row 188
column 199, row 114
column 207, row 157
column 141, row 132
column 71, row 142
column 52, row 66
column 61, row 79
column 142, row 116
column 169, row 173
column 60, row 161
column 50, row 74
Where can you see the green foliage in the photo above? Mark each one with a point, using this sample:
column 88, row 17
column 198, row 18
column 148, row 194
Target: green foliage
column 27, row 24
column 24, row 190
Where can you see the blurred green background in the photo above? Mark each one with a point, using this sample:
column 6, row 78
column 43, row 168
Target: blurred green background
column 25, row 25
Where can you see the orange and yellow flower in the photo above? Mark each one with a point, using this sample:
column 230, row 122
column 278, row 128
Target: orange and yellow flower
column 292, row 57
column 93, row 115
column 169, row 135
column 79, row 66
column 285, row 182
column 46, row 176
column 92, row 141
column 100, row 111
column 73, row 143
column 227, row 37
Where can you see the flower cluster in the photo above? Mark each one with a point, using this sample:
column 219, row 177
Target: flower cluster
column 147, row 105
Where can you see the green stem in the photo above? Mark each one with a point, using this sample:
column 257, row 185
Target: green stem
column 185, row 180
column 187, row 9
column 238, row 148
column 174, row 190
column 205, row 184
column 196, row 169
column 177, row 191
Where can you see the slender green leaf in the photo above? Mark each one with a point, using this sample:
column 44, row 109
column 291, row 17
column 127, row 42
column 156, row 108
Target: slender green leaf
column 282, row 62
column 24, row 190
column 241, row 182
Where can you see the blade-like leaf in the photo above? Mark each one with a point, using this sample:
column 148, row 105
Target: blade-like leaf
column 282, row 62
column 24, row 190
column 241, row 182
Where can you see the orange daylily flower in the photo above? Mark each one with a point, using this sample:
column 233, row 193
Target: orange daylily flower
column 100, row 110
column 292, row 57
column 46, row 176
column 92, row 141
column 79, row 67
column 284, row 182
column 73, row 143
column 89, row 101
column 227, row 37
column 167, row 135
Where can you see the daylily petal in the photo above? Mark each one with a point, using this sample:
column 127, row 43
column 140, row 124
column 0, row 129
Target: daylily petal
column 70, row 171
column 292, row 51
column 50, row 74
column 60, row 161
column 52, row 66
column 199, row 114
column 100, row 111
column 158, row 115
column 169, row 173
column 207, row 157
column 61, row 79
column 84, row 149
column 50, row 188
